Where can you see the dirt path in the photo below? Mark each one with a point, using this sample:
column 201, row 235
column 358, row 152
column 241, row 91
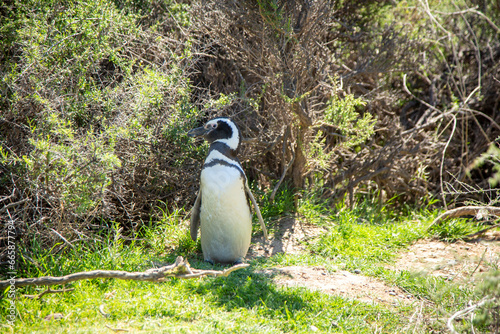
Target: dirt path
column 453, row 261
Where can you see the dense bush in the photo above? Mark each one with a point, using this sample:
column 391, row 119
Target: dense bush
column 94, row 111
column 345, row 97
column 452, row 94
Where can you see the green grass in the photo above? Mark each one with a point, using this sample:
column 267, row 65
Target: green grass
column 365, row 238
column 244, row 302
column 452, row 230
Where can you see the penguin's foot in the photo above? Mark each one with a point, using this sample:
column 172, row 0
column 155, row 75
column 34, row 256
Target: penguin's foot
column 239, row 261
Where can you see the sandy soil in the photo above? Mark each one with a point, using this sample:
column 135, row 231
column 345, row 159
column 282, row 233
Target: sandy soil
column 454, row 261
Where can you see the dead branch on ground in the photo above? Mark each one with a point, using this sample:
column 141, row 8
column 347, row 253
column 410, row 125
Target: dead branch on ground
column 49, row 290
column 466, row 211
column 180, row 269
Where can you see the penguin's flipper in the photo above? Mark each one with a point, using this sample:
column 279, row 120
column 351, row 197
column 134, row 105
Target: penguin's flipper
column 195, row 217
column 257, row 210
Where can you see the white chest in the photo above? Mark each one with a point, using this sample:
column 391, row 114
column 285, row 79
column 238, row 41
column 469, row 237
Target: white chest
column 226, row 224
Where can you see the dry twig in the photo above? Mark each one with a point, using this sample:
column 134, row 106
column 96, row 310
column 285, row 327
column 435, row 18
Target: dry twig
column 117, row 329
column 464, row 312
column 49, row 290
column 285, row 168
column 470, row 236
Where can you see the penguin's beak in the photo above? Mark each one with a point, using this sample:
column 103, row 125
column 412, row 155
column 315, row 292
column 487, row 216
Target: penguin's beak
column 197, row 132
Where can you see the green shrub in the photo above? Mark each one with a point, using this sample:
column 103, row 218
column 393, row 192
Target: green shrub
column 96, row 110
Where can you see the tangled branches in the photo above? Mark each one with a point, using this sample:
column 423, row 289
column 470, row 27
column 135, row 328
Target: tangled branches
column 283, row 62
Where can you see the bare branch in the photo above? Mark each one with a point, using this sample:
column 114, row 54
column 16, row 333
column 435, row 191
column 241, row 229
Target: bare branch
column 180, row 269
column 11, row 205
column 466, row 211
column 482, row 231
column 441, row 167
column 117, row 329
column 63, row 238
column 285, row 168
column 49, row 290
column 463, row 312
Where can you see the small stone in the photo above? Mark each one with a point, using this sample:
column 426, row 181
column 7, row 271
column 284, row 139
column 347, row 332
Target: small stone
column 392, row 293
column 313, row 328
column 53, row 316
column 357, row 271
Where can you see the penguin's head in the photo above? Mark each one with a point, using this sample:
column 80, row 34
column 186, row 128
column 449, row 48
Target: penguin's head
column 221, row 129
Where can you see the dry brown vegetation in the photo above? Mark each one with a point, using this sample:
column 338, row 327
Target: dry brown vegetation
column 434, row 99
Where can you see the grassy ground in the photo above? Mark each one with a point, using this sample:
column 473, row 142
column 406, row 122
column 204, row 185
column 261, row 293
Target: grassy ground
column 365, row 238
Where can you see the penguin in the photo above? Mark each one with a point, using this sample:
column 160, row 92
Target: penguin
column 221, row 209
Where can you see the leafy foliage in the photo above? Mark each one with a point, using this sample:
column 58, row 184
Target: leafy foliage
column 97, row 114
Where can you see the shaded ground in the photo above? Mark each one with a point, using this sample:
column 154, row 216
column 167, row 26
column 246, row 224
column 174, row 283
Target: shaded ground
column 459, row 260
column 291, row 237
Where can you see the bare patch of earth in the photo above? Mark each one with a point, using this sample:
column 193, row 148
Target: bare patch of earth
column 291, row 237
column 459, row 260
column 453, row 261
column 343, row 283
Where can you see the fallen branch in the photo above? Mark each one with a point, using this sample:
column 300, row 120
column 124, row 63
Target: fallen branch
column 117, row 329
column 180, row 269
column 470, row 236
column 466, row 211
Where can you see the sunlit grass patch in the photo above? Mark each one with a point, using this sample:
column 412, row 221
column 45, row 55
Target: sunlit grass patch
column 359, row 239
column 244, row 302
column 452, row 230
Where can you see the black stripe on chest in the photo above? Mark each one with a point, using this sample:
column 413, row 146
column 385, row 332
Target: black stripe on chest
column 230, row 154
column 226, row 164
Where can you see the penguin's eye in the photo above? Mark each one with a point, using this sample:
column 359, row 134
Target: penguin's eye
column 211, row 126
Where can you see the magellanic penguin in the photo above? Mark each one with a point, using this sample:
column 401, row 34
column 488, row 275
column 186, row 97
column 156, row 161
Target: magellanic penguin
column 222, row 207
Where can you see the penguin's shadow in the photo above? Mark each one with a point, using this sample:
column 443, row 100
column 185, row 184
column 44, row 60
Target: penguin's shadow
column 247, row 289
column 289, row 237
